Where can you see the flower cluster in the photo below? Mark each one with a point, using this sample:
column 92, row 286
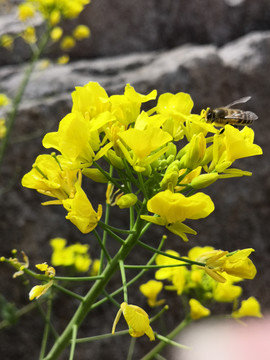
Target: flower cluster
column 76, row 255
column 160, row 157
column 52, row 13
column 212, row 279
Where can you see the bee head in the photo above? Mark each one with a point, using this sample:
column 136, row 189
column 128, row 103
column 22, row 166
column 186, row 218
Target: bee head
column 209, row 116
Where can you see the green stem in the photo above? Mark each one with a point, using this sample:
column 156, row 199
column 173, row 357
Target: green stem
column 73, row 342
column 94, row 292
column 77, row 279
column 159, row 347
column 124, row 281
column 46, row 328
column 68, row 292
column 133, row 280
column 18, row 98
column 131, row 348
column 154, row 250
column 101, row 337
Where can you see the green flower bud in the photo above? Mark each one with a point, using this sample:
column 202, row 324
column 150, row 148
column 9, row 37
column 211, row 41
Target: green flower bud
column 126, row 201
column 95, row 175
column 115, row 160
column 196, row 151
column 204, row 180
column 171, row 176
column 172, row 150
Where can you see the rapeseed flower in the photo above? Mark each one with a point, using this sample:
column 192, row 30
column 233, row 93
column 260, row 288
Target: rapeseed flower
column 174, row 208
column 137, row 320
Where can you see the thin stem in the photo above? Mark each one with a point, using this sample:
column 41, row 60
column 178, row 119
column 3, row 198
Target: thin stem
column 18, row 98
column 131, row 348
column 46, row 328
column 151, row 266
column 104, row 251
column 74, row 278
column 113, row 235
column 159, row 347
column 171, row 342
column 73, row 342
column 111, row 299
column 114, row 229
column 124, row 281
column 68, row 292
column 154, row 250
column 154, row 318
column 101, row 337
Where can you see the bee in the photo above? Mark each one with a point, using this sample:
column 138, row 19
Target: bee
column 225, row 115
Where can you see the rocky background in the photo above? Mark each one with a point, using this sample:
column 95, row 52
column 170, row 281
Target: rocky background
column 216, row 50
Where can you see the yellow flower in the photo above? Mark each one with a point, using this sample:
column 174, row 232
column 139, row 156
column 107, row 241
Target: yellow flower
column 137, row 320
column 90, row 100
column 52, row 177
column 72, row 138
column 7, row 41
column 235, row 263
column 26, row 11
column 126, row 108
column 67, row 43
column 63, row 60
column 74, row 255
column 143, row 143
column 81, row 212
column 49, row 270
column 4, row 100
column 249, row 307
column 56, row 33
column 174, row 208
column 95, row 267
column 226, row 292
column 177, row 275
column 231, row 145
column 176, row 108
column 239, row 144
column 197, row 310
column 39, row 290
column 151, row 289
column 81, row 32
column 238, row 264
column 29, row 35
column 3, row 128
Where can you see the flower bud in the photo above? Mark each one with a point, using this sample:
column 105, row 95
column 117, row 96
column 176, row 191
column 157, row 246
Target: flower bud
column 126, row 201
column 115, row 160
column 204, row 180
column 171, row 176
column 196, row 151
column 95, row 175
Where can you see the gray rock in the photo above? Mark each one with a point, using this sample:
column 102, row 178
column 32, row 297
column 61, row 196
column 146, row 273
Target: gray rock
column 213, row 76
column 122, row 27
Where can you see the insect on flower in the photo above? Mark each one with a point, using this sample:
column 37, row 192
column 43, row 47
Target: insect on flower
column 225, row 115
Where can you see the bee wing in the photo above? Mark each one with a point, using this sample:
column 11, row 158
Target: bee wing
column 248, row 115
column 239, row 101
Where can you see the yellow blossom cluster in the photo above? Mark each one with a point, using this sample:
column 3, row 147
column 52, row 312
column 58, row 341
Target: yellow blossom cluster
column 52, row 12
column 144, row 149
column 76, row 255
column 213, row 279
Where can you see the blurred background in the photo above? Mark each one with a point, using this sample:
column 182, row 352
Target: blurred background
column 217, row 51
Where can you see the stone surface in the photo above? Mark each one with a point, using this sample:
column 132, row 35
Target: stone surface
column 213, row 76
column 122, row 27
